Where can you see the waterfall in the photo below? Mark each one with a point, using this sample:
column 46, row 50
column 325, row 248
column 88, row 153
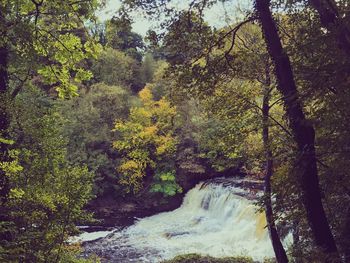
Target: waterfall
column 213, row 220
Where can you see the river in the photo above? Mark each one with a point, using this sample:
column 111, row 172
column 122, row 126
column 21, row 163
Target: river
column 214, row 219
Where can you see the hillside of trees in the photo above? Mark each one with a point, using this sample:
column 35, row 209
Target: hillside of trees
column 98, row 123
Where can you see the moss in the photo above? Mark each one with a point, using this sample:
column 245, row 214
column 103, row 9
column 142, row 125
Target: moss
column 195, row 258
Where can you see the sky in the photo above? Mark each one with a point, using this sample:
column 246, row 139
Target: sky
column 217, row 16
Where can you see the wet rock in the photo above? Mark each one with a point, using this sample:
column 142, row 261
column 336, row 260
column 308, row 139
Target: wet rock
column 170, row 235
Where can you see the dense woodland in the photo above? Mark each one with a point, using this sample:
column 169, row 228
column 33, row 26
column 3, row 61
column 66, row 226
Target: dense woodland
column 92, row 110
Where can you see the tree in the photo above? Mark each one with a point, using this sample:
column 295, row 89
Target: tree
column 255, row 70
column 148, row 144
column 280, row 253
column 41, row 38
column 303, row 132
column 205, row 67
column 41, row 41
column 148, row 68
column 119, row 36
column 332, row 19
column 114, row 67
column 89, row 121
column 47, row 194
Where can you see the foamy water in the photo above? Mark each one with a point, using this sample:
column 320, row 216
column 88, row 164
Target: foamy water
column 213, row 220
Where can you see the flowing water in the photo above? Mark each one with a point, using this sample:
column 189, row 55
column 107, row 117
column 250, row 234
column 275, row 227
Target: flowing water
column 213, row 220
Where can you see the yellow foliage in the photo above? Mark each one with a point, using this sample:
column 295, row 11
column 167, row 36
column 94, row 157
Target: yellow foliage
column 166, row 144
column 128, row 165
column 253, row 143
column 146, row 95
column 148, row 128
column 140, row 116
column 149, row 132
column 165, row 107
column 132, row 172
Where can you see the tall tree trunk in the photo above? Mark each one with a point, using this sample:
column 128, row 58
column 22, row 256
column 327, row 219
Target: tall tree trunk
column 303, row 133
column 346, row 237
column 331, row 20
column 280, row 253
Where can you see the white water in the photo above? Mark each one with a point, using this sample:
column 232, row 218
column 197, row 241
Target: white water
column 86, row 236
column 213, row 220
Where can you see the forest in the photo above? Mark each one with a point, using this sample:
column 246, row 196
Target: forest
column 191, row 143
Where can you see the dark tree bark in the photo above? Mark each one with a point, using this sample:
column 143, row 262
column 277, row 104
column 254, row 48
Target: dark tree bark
column 346, row 236
column 331, row 20
column 278, row 248
column 303, row 133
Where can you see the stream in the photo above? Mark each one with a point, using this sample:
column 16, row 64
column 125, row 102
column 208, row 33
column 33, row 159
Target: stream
column 216, row 218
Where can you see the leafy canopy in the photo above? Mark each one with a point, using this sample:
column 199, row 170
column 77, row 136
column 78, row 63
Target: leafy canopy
column 147, row 138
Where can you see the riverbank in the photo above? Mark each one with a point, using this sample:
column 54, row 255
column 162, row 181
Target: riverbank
column 195, row 258
column 121, row 212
